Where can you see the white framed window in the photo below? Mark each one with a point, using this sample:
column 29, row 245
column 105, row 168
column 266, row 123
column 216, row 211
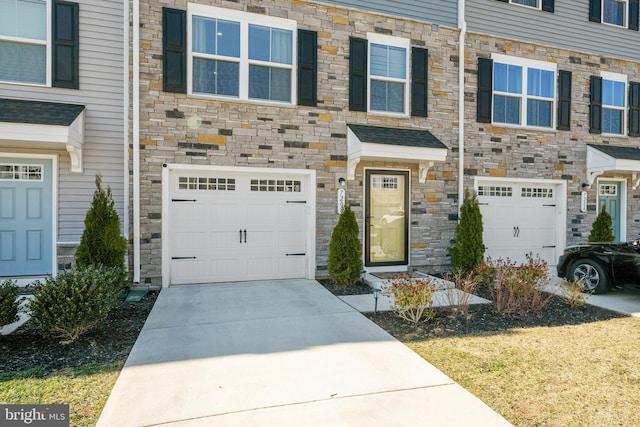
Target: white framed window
column 240, row 55
column 388, row 77
column 19, row 172
column 379, row 182
column 529, row 3
column 25, row 41
column 614, row 103
column 608, row 190
column 524, row 92
column 615, row 12
column 495, row 191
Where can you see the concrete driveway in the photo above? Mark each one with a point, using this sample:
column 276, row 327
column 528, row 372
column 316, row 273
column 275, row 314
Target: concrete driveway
column 279, row 353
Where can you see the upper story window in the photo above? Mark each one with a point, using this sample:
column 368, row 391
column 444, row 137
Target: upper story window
column 614, row 12
column 24, row 41
column 613, row 103
column 621, row 13
column 388, row 74
column 530, row 3
column 523, row 92
column 241, row 55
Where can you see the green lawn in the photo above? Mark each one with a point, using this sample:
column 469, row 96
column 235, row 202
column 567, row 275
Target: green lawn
column 85, row 388
column 578, row 375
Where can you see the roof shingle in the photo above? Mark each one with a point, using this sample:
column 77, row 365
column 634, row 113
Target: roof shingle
column 37, row 112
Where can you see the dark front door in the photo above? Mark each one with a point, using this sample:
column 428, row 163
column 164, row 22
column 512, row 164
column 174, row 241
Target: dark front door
column 386, row 217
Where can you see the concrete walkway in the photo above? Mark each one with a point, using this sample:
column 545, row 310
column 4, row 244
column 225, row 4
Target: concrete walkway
column 280, row 353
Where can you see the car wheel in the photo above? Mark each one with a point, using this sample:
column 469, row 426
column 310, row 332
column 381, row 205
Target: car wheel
column 592, row 274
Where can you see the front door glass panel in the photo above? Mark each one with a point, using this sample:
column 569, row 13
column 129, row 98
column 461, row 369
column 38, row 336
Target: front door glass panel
column 386, row 222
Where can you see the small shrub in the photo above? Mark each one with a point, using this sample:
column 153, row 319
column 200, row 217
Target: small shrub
column 602, row 228
column 572, row 293
column 101, row 242
column 9, row 306
column 413, row 298
column 458, row 298
column 468, row 250
column 520, row 288
column 73, row 302
column 345, row 250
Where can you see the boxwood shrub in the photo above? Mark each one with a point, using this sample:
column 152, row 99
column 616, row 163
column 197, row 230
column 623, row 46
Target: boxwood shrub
column 73, row 302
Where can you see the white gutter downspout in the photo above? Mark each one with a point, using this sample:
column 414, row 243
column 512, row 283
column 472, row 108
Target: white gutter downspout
column 125, row 76
column 462, row 24
column 136, row 141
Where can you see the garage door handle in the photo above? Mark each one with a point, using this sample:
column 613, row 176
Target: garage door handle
column 549, row 246
column 183, row 200
column 299, row 254
column 183, row 257
column 245, row 236
column 516, row 231
column 296, row 201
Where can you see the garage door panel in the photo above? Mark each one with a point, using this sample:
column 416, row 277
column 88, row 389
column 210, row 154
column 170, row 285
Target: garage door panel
column 211, row 226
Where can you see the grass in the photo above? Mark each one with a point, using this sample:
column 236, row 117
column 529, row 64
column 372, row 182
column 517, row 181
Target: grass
column 85, row 389
column 578, row 375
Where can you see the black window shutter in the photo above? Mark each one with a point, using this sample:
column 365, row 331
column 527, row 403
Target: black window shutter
column 595, row 10
column 564, row 100
column 66, row 45
column 634, row 109
column 485, row 89
column 307, row 68
column 548, row 5
column 633, row 14
column 419, row 81
column 357, row 74
column 174, row 50
column 595, row 108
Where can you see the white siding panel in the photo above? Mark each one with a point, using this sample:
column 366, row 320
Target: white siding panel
column 569, row 27
column 102, row 92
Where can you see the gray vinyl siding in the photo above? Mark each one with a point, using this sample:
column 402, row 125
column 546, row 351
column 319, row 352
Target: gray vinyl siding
column 102, row 92
column 440, row 12
column 569, row 27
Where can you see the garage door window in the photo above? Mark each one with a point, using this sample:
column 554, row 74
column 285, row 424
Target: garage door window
column 202, row 183
column 276, row 185
column 495, row 191
column 537, row 193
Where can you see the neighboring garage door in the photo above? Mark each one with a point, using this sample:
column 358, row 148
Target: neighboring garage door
column 237, row 226
column 521, row 218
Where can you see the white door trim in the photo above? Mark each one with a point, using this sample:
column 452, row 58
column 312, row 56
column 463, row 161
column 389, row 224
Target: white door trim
column 623, row 203
column 310, row 175
column 561, row 203
column 54, row 201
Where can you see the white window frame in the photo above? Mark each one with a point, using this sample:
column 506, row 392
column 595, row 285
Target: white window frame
column 625, row 19
column 537, row 7
column 616, row 78
column 526, row 64
column 375, row 38
column 46, row 43
column 245, row 19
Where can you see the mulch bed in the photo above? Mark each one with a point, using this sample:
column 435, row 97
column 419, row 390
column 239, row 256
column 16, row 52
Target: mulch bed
column 356, row 289
column 110, row 341
column 482, row 319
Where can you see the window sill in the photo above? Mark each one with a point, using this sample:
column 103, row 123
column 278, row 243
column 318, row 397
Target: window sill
column 242, row 101
column 615, row 135
column 9, row 82
column 389, row 115
column 524, row 128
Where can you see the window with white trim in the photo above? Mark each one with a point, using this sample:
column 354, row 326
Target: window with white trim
column 24, row 41
column 615, row 12
column 13, row 172
column 241, row 55
column 614, row 103
column 388, row 74
column 530, row 3
column 523, row 92
column 495, row 191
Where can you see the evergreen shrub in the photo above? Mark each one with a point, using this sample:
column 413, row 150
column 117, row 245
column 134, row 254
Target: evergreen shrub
column 73, row 302
column 602, row 228
column 9, row 306
column 345, row 250
column 468, row 250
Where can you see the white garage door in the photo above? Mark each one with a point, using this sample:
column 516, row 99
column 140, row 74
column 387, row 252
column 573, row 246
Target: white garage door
column 521, row 218
column 237, row 226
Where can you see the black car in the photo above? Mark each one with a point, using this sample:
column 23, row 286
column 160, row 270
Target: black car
column 602, row 265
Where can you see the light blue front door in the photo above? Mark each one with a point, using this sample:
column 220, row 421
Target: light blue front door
column 25, row 217
column 609, row 196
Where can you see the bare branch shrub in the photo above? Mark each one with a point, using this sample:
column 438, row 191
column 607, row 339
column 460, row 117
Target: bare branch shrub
column 459, row 297
column 572, row 293
column 413, row 298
